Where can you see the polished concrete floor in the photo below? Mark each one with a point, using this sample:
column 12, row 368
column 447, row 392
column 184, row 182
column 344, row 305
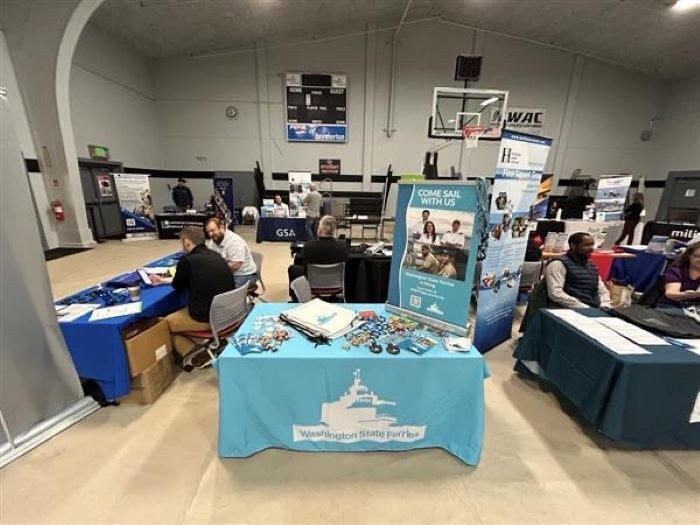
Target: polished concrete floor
column 158, row 463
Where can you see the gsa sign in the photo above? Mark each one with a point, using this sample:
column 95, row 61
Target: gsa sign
column 285, row 233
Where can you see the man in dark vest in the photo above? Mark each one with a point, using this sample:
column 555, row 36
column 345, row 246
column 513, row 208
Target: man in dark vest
column 573, row 280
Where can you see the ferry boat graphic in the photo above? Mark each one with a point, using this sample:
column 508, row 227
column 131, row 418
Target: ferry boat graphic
column 358, row 415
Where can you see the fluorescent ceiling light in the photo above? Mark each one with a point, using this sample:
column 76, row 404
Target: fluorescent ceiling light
column 3, row 93
column 489, row 101
column 684, row 5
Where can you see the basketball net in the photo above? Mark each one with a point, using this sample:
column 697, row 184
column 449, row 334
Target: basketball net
column 471, row 135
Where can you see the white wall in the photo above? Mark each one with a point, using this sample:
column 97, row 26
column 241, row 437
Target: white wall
column 595, row 111
column 112, row 101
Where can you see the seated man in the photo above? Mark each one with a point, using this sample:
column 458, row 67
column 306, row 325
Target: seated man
column 204, row 275
column 233, row 249
column 430, row 263
column 325, row 250
column 454, row 238
column 573, row 280
column 447, row 269
column 280, row 209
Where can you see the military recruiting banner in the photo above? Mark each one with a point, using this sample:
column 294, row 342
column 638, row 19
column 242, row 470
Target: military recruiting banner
column 610, row 197
column 223, row 198
column 521, row 159
column 136, row 205
column 436, row 240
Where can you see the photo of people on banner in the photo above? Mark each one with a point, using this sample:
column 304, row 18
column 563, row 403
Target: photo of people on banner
column 299, row 183
column 438, row 242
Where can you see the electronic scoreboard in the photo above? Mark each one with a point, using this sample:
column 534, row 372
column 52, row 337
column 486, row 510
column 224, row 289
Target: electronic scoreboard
column 316, row 107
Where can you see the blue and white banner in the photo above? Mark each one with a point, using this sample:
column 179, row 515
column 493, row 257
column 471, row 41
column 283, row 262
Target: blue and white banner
column 136, row 204
column 521, row 160
column 317, row 132
column 436, row 240
column 223, row 196
column 610, row 197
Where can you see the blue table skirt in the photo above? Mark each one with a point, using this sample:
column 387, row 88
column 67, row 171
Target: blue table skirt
column 305, row 398
column 641, row 399
column 97, row 348
column 287, row 229
column 641, row 272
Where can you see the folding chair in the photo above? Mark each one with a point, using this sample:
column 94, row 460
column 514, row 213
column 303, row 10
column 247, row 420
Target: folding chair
column 531, row 274
column 301, row 288
column 227, row 313
column 327, row 280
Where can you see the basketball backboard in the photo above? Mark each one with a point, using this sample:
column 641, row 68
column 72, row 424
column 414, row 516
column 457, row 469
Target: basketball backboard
column 455, row 108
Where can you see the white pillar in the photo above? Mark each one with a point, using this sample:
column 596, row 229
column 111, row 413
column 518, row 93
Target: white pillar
column 41, row 37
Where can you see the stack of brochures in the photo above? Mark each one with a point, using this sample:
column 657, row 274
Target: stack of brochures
column 318, row 319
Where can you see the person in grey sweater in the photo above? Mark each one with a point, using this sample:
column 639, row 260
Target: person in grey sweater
column 312, row 201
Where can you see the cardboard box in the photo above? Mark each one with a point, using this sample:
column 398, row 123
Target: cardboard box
column 146, row 342
column 149, row 385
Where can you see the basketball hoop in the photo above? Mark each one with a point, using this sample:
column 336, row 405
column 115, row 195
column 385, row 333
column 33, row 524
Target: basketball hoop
column 471, row 135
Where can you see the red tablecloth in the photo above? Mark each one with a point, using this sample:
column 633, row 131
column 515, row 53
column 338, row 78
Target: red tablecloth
column 603, row 262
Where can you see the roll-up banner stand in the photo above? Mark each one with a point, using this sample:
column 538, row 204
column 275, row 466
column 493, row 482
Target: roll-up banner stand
column 436, row 241
column 521, row 160
column 610, row 197
column 136, row 205
column 223, row 198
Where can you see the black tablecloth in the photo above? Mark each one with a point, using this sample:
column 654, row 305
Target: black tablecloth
column 366, row 277
column 642, row 399
column 169, row 225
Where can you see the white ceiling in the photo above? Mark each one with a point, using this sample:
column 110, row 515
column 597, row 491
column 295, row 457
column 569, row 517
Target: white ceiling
column 642, row 34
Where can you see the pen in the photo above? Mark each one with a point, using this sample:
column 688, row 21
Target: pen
column 675, row 342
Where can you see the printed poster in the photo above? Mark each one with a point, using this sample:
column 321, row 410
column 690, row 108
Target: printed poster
column 105, row 186
column 521, row 159
column 136, row 204
column 223, row 198
column 611, row 196
column 299, row 182
column 435, row 247
column 539, row 208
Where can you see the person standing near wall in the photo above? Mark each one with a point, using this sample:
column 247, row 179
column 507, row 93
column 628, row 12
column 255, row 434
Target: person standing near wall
column 632, row 214
column 312, row 201
column 182, row 196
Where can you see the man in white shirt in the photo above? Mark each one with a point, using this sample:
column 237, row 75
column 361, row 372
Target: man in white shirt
column 233, row 249
column 417, row 229
column 454, row 239
column 280, row 209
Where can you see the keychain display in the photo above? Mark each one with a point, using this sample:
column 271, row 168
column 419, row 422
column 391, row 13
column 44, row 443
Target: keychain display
column 267, row 335
column 98, row 294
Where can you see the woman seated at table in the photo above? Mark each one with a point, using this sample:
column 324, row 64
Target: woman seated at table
column 683, row 279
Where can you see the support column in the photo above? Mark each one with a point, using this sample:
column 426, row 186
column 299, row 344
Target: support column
column 41, row 38
column 368, row 128
column 263, row 101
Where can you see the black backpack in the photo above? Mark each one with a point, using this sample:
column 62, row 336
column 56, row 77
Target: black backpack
column 538, row 299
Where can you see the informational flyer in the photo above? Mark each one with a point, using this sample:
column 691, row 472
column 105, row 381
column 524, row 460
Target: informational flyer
column 136, row 204
column 435, row 244
column 610, row 197
column 521, row 159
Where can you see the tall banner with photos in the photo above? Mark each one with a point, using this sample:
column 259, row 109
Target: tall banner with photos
column 299, row 183
column 136, row 205
column 223, row 197
column 610, row 197
column 436, row 241
column 521, row 160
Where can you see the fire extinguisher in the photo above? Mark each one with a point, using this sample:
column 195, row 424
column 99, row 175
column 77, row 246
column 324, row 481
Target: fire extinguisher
column 58, row 212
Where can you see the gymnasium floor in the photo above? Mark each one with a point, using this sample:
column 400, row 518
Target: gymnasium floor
column 158, row 463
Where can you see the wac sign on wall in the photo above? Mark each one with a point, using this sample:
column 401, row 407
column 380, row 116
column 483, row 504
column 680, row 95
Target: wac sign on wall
column 525, row 120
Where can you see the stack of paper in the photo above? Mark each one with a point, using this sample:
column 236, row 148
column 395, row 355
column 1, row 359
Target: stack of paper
column 320, row 318
column 116, row 311
column 71, row 312
column 599, row 333
column 631, row 332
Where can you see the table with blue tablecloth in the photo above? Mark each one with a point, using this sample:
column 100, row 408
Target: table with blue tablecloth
column 281, row 229
column 644, row 399
column 328, row 398
column 97, row 348
column 640, row 272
